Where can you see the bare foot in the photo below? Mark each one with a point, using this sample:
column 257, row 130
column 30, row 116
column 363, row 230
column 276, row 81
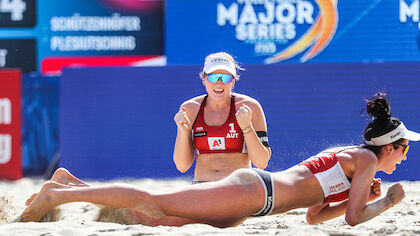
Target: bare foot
column 64, row 177
column 42, row 203
column 30, row 199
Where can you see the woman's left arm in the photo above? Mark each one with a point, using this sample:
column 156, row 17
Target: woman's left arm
column 358, row 210
column 251, row 121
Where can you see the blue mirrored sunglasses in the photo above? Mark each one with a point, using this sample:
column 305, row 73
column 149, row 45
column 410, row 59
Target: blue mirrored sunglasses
column 214, row 77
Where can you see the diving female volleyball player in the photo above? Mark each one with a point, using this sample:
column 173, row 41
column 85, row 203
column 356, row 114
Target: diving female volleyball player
column 334, row 182
column 227, row 131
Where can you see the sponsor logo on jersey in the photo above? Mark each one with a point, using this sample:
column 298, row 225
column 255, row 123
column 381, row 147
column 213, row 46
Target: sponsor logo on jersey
column 200, row 134
column 216, row 143
column 337, row 188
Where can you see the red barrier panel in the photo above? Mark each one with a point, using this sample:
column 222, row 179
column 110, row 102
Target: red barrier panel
column 10, row 125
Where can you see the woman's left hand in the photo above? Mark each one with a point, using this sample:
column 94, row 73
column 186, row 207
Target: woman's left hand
column 375, row 189
column 244, row 116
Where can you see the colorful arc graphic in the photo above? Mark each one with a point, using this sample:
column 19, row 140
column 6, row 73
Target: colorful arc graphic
column 319, row 35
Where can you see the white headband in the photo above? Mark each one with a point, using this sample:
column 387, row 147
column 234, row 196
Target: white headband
column 400, row 132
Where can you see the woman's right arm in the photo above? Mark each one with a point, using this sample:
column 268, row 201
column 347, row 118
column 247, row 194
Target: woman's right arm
column 321, row 213
column 184, row 150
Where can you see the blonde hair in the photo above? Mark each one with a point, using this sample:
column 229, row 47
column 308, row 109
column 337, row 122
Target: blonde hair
column 223, row 55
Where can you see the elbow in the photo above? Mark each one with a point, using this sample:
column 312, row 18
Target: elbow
column 352, row 220
column 182, row 165
column 312, row 220
column 261, row 165
column 263, row 162
column 182, row 168
column 267, row 157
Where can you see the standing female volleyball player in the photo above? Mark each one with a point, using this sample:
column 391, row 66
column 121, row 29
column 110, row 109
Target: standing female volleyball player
column 227, row 131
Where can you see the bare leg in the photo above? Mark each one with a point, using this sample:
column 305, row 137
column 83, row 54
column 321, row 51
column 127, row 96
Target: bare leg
column 111, row 214
column 222, row 203
column 127, row 216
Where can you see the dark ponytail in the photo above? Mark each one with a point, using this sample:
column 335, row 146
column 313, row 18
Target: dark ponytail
column 378, row 107
column 382, row 121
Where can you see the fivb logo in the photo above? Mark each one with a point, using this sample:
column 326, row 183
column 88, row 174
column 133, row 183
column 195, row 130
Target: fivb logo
column 275, row 23
column 5, row 139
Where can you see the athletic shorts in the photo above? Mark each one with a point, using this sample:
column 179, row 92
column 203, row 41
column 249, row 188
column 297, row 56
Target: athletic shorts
column 267, row 181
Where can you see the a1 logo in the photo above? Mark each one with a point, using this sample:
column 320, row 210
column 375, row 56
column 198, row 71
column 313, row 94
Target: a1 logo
column 216, row 143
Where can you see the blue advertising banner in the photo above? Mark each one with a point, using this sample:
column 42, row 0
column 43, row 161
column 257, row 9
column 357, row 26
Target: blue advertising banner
column 40, row 106
column 83, row 32
column 274, row 31
column 123, row 126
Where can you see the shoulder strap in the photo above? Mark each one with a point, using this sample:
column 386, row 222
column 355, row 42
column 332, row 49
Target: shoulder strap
column 200, row 114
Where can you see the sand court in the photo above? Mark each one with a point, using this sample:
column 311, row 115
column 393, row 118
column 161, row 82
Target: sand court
column 80, row 218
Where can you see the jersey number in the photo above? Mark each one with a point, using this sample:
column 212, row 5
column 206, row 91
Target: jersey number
column 232, row 128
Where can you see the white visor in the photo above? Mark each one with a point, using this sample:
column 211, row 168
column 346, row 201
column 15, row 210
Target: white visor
column 400, row 132
column 219, row 63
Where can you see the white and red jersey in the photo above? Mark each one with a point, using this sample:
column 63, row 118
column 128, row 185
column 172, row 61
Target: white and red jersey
column 335, row 184
column 225, row 138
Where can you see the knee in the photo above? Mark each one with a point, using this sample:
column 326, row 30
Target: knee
column 310, row 219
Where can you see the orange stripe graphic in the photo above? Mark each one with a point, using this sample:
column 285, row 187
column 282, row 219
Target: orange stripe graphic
column 303, row 42
column 320, row 33
column 329, row 25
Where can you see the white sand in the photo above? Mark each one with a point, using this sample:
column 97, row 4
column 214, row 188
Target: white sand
column 79, row 218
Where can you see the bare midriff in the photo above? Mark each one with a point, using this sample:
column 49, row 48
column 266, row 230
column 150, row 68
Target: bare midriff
column 295, row 188
column 216, row 166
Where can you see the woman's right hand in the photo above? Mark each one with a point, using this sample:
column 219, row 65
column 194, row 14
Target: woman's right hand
column 395, row 193
column 375, row 189
column 182, row 120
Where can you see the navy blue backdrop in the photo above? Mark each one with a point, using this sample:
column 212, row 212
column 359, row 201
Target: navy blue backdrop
column 118, row 122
